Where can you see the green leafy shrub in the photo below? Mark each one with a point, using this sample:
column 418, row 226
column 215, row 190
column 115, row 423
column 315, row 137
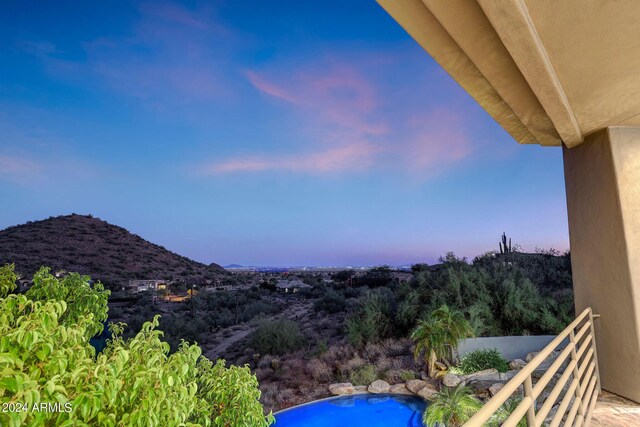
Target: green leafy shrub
column 505, row 411
column 277, row 337
column 371, row 322
column 45, row 357
column 331, row 302
column 482, row 359
column 363, row 375
column 407, row 375
column 451, row 407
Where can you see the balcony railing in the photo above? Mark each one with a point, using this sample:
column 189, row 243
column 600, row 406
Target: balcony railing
column 576, row 376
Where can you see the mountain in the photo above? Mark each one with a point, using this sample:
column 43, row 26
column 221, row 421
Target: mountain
column 88, row 245
column 232, row 266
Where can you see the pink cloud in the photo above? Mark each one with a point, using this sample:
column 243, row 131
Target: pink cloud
column 352, row 157
column 349, row 127
column 436, row 141
column 267, row 87
column 335, row 93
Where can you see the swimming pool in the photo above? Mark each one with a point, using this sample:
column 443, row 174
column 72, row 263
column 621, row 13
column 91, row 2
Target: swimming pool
column 363, row 410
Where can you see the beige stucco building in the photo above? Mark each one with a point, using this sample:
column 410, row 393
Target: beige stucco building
column 563, row 73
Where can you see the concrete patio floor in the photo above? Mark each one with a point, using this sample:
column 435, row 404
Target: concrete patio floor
column 614, row 411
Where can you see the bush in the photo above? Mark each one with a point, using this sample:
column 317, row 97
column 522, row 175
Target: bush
column 47, row 357
column 451, row 407
column 332, row 302
column 407, row 375
column 364, row 375
column 479, row 360
column 277, row 337
column 371, row 322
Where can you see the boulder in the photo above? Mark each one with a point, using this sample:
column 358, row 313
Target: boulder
column 530, row 356
column 359, row 389
column 451, row 380
column 517, row 364
column 495, row 388
column 427, row 391
column 339, row 389
column 414, row 386
column 379, row 386
column 441, row 366
column 479, row 374
column 400, row 389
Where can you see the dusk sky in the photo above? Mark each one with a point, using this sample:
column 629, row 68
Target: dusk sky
column 260, row 133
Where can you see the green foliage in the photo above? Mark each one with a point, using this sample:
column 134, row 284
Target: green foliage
column 84, row 301
column 482, row 359
column 451, row 407
column 7, row 280
column 277, row 337
column 363, row 375
column 45, row 357
column 530, row 294
column 407, row 375
column 417, row 268
column 437, row 336
column 372, row 320
column 331, row 302
column 505, row 411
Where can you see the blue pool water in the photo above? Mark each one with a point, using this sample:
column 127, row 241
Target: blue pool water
column 365, row 410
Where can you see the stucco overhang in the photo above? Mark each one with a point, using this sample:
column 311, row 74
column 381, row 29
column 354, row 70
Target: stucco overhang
column 549, row 71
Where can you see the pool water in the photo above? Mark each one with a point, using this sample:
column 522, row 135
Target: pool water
column 364, row 410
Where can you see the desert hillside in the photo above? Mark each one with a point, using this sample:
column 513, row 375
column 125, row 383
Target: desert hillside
column 91, row 246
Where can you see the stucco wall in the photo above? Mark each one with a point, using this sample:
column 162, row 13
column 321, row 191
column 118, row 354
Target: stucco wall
column 514, row 347
column 603, row 199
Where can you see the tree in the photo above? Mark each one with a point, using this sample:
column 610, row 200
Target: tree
column 46, row 358
column 451, row 407
column 417, row 268
column 437, row 337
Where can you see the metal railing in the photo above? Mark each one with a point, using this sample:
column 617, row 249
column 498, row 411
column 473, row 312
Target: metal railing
column 577, row 398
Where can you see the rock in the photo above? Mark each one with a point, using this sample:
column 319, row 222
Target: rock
column 339, row 389
column 379, row 386
column 427, row 391
column 517, row 364
column 424, row 376
column 495, row 388
column 479, row 374
column 400, row 389
column 414, row 386
column 531, row 355
column 359, row 389
column 451, row 380
column 441, row 366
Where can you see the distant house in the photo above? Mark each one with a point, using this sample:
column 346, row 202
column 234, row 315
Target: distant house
column 290, row 286
column 153, row 285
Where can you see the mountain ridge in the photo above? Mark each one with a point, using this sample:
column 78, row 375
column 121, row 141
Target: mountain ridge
column 106, row 252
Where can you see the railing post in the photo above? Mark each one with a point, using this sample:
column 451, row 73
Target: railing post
column 528, row 392
column 576, row 375
column 595, row 352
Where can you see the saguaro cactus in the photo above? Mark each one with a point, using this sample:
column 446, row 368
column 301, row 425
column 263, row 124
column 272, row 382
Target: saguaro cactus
column 504, row 248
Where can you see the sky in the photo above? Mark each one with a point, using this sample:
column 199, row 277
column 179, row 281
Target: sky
column 260, row 133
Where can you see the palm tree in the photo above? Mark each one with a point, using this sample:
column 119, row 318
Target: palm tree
column 438, row 336
column 505, row 411
column 451, row 407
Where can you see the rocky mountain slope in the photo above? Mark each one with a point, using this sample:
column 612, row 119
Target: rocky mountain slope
column 88, row 245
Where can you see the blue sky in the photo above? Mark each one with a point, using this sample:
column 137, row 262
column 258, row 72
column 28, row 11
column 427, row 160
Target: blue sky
column 263, row 133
